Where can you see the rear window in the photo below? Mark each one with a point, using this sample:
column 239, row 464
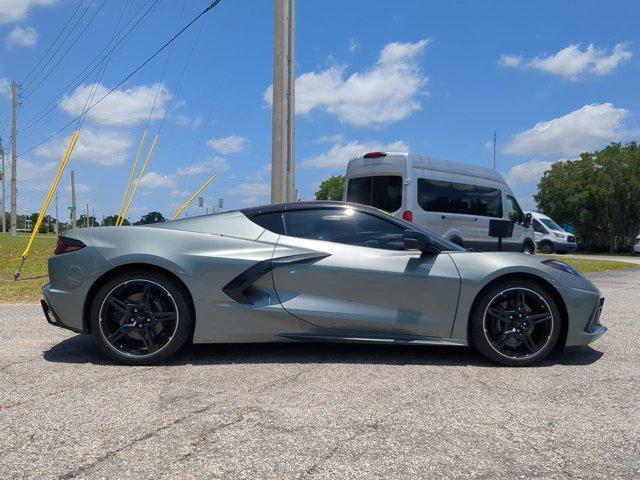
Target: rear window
column 382, row 191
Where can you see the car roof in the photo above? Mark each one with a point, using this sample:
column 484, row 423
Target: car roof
column 307, row 205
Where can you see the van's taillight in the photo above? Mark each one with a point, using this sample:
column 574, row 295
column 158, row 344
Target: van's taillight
column 375, row 155
column 408, row 216
column 66, row 245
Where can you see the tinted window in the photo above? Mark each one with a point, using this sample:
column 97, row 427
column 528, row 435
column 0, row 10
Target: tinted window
column 488, row 202
column 452, row 197
column 344, row 225
column 551, row 224
column 514, row 212
column 383, row 192
column 270, row 221
column 537, row 226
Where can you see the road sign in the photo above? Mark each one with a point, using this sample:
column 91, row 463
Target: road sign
column 201, row 202
column 221, row 203
column 71, row 209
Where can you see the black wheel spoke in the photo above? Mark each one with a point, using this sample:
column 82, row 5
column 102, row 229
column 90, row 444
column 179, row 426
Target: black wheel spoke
column 528, row 342
column 119, row 305
column 161, row 317
column 539, row 318
column 147, row 338
column 502, row 340
column 499, row 314
column 120, row 332
column 146, row 294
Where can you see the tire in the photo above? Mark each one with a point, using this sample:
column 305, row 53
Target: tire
column 546, row 248
column 508, row 340
column 528, row 248
column 142, row 332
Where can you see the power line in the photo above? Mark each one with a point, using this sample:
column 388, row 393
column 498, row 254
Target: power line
column 51, row 106
column 33, row 89
column 54, row 41
column 136, row 70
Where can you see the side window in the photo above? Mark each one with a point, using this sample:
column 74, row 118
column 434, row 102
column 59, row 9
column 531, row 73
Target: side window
column 537, row 227
column 270, row 221
column 514, row 212
column 382, row 191
column 344, row 225
column 488, row 202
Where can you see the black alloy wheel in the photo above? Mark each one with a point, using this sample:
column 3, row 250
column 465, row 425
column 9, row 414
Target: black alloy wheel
column 140, row 319
column 517, row 323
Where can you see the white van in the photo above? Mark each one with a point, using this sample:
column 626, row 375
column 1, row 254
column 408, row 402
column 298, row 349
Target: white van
column 549, row 236
column 454, row 200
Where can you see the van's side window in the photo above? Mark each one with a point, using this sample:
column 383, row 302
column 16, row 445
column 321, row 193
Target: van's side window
column 514, row 212
column 451, row 197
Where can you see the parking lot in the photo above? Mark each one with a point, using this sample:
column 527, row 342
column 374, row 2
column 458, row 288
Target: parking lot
column 320, row 411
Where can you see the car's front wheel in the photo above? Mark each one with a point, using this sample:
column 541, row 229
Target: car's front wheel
column 515, row 323
column 140, row 318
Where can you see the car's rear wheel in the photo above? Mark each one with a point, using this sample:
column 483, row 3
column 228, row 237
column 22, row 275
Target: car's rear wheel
column 140, row 318
column 515, row 323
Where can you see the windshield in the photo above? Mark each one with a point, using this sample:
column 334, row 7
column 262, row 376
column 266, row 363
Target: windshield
column 551, row 224
column 382, row 191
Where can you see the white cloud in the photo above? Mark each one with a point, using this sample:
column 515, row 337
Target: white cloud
column 80, row 187
column 580, row 131
column 387, row 92
column 340, row 153
column 572, row 62
column 185, row 121
column 251, row 189
column 5, row 88
column 15, row 10
column 209, row 166
column 510, row 61
column 103, row 148
column 153, row 180
column 527, row 172
column 22, row 37
column 337, row 138
column 230, row 144
column 122, row 107
column 353, row 45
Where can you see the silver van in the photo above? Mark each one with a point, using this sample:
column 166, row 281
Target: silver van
column 454, row 200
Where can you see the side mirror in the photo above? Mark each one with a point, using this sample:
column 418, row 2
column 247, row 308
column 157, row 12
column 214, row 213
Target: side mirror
column 527, row 220
column 414, row 240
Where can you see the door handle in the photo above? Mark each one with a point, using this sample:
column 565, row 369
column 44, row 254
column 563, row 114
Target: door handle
column 475, row 219
column 443, row 217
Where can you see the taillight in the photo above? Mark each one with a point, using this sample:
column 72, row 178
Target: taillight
column 66, row 245
column 375, row 155
column 408, row 216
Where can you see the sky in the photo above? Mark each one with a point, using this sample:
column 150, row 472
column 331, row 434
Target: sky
column 552, row 78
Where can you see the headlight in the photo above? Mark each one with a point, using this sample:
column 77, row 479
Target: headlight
column 559, row 235
column 565, row 267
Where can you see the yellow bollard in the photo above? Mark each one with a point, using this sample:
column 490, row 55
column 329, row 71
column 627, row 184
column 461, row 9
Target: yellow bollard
column 45, row 207
column 182, row 209
column 135, row 189
column 133, row 174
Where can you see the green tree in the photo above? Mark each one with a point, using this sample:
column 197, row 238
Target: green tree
column 599, row 193
column 151, row 217
column 110, row 220
column 331, row 188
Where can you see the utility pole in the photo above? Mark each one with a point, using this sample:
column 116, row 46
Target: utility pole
column 56, row 226
column 86, row 217
column 494, row 149
column 73, row 200
column 14, row 156
column 283, row 114
column 4, row 193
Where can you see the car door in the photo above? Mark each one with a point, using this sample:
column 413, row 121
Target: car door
column 365, row 281
column 538, row 230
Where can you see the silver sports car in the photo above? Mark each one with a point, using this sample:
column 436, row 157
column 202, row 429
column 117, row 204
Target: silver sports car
column 310, row 271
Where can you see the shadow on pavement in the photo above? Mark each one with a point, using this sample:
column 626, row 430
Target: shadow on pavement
column 82, row 349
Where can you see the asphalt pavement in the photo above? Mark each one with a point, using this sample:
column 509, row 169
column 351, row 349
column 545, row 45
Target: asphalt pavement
column 294, row 411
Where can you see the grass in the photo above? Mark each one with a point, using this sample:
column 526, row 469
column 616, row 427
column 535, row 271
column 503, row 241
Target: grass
column 585, row 265
column 34, row 273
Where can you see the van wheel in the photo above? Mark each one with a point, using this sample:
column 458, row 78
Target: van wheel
column 546, row 248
